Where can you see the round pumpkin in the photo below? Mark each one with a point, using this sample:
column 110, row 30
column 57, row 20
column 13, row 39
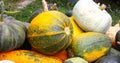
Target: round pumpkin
column 109, row 59
column 91, row 17
column 12, row 33
column 75, row 60
column 50, row 32
column 26, row 56
column 91, row 45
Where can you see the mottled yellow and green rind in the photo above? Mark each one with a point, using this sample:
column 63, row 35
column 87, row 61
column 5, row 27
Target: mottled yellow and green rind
column 26, row 56
column 91, row 45
column 47, row 33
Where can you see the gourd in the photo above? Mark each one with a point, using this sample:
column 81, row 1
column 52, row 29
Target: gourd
column 27, row 56
column 91, row 45
column 62, row 55
column 109, row 59
column 91, row 17
column 76, row 29
column 69, row 13
column 111, row 32
column 114, row 52
column 50, row 32
column 6, row 61
column 50, row 7
column 12, row 32
column 117, row 40
column 75, row 60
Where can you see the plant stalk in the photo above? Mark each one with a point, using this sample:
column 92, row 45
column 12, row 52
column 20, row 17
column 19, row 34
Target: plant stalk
column 44, row 4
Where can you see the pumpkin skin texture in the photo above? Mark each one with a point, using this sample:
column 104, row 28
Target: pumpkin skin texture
column 90, row 17
column 12, row 33
column 91, row 45
column 109, row 59
column 50, row 32
column 26, row 56
column 75, row 60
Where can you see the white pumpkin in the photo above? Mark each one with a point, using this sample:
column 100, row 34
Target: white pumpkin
column 91, row 17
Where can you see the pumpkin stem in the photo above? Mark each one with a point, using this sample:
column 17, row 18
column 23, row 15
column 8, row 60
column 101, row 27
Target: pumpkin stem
column 44, row 4
column 1, row 10
column 102, row 7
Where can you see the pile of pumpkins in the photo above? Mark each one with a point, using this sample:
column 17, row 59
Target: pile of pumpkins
column 53, row 37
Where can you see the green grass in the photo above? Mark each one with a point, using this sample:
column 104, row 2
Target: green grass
column 25, row 13
column 115, row 16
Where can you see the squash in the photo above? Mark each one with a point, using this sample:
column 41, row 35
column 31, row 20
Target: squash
column 75, row 60
column 12, row 32
column 114, row 52
column 117, row 40
column 69, row 13
column 109, row 59
column 6, row 61
column 62, row 55
column 91, row 17
column 50, row 7
column 91, row 45
column 27, row 56
column 50, row 32
column 76, row 29
column 111, row 32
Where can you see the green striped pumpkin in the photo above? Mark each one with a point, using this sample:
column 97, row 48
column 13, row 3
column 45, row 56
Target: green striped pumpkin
column 50, row 32
column 12, row 33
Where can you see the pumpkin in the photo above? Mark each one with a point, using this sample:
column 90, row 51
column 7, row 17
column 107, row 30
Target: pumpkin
column 76, row 29
column 91, row 17
column 111, row 32
column 50, row 7
column 91, row 45
column 109, row 59
column 114, row 52
column 50, row 32
column 117, row 40
column 62, row 55
column 75, row 60
column 27, row 56
column 6, row 61
column 69, row 13
column 12, row 32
